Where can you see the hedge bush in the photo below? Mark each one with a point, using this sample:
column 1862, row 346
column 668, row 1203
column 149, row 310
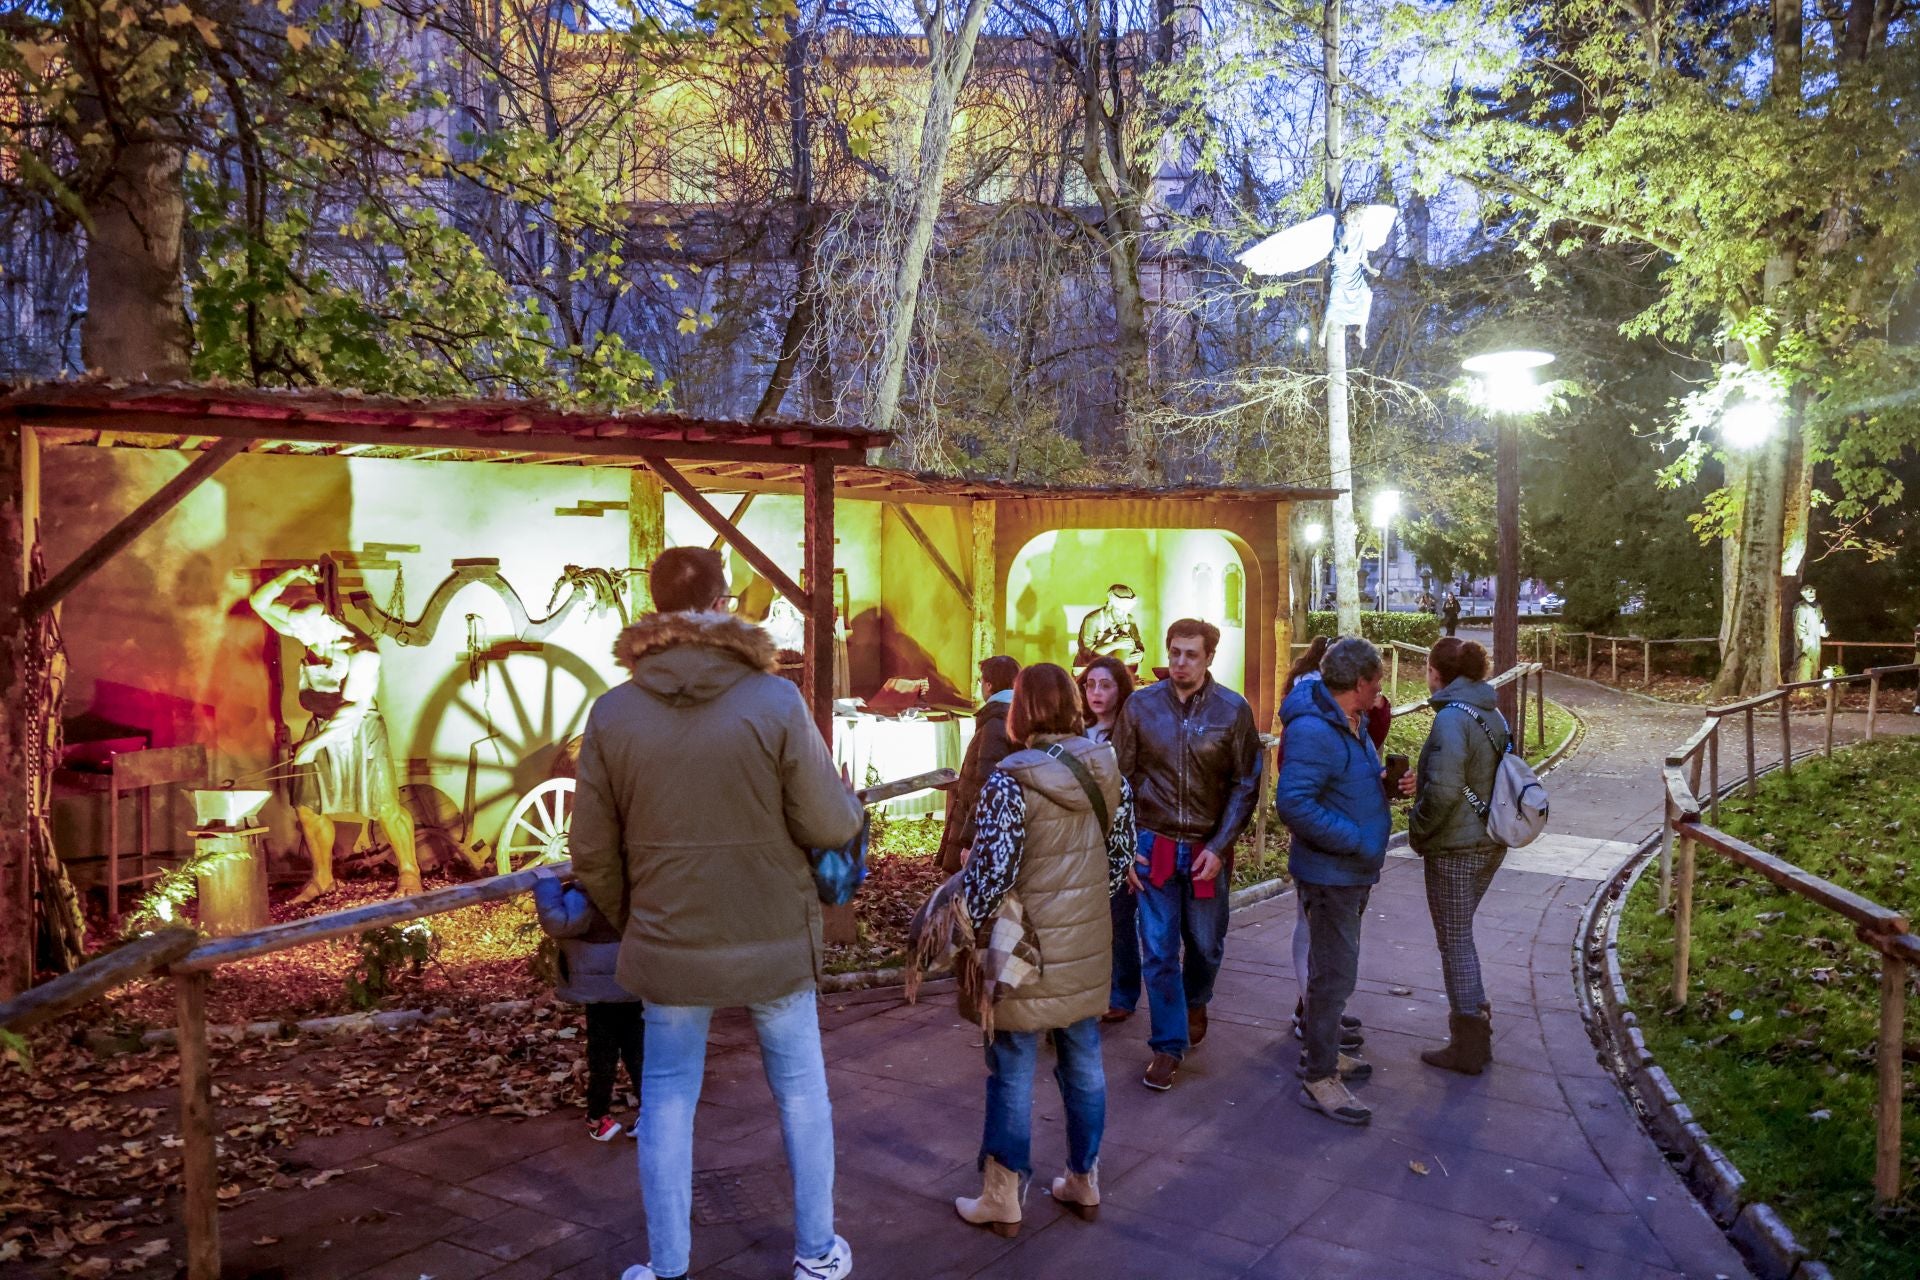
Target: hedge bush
column 1408, row 628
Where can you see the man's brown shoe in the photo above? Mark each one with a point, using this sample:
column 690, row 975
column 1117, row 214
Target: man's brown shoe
column 1196, row 1025
column 1160, row 1072
column 1115, row 1013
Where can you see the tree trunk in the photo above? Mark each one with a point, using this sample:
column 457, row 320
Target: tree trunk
column 806, row 231
column 1750, row 654
column 136, row 324
column 950, row 57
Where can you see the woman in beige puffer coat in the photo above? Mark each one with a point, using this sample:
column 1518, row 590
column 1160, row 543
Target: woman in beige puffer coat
column 1055, row 831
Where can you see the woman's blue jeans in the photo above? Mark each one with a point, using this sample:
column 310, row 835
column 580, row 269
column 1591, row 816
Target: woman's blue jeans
column 1083, row 1085
column 676, row 1063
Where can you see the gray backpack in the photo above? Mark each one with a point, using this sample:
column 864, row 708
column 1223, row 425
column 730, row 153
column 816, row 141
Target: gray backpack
column 1516, row 813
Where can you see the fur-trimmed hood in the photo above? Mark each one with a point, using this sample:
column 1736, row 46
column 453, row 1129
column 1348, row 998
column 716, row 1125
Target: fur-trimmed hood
column 684, row 658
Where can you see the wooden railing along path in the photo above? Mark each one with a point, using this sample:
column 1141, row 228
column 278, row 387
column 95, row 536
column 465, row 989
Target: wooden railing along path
column 1882, row 928
column 190, row 963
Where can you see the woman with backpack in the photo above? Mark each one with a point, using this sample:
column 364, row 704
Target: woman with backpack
column 1055, row 842
column 1455, row 781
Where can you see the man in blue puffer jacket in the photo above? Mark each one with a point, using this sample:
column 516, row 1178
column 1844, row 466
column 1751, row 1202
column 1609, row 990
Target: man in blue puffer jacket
column 1331, row 797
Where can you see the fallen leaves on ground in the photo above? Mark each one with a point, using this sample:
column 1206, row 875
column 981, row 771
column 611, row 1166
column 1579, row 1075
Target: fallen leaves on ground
column 90, row 1169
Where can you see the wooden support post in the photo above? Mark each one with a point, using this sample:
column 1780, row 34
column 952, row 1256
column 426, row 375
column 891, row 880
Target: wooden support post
column 817, row 583
column 1753, row 770
column 1833, row 700
column 1279, row 596
column 646, row 532
column 200, row 1171
column 1589, row 636
column 1786, row 735
column 17, row 919
column 1888, row 1069
column 816, row 675
column 1396, row 672
column 986, row 584
column 1646, row 664
column 1613, row 652
column 1873, row 702
column 1683, row 920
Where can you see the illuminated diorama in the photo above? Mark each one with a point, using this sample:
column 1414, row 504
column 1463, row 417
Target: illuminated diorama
column 392, row 620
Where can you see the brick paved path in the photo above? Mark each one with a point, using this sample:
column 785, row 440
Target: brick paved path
column 1535, row 1170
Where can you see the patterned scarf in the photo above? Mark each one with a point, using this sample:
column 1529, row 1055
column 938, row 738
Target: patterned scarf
column 989, row 961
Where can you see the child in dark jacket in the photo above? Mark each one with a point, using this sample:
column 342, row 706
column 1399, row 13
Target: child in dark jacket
column 589, row 954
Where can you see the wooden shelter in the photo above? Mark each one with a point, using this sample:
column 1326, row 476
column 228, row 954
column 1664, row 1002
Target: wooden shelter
column 970, row 557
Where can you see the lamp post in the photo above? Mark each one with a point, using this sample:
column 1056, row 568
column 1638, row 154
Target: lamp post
column 1507, row 389
column 1315, row 534
column 1386, row 505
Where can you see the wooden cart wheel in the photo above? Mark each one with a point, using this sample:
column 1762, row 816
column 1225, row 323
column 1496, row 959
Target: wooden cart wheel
column 536, row 830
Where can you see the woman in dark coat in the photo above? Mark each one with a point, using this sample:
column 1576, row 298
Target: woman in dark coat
column 989, row 746
column 1105, row 686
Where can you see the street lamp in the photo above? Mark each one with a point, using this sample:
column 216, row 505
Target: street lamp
column 1315, row 533
column 1386, row 505
column 1507, row 387
column 1749, row 423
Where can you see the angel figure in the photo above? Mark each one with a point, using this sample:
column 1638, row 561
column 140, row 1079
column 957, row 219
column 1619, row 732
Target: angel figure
column 1347, row 241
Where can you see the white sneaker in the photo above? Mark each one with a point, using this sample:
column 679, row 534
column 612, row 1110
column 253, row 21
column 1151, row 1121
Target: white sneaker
column 835, row 1264
column 638, row 1272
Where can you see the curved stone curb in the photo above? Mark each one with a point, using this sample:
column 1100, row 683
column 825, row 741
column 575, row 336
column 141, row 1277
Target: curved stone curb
column 1753, row 1226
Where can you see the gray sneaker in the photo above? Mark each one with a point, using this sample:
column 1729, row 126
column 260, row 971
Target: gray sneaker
column 1330, row 1098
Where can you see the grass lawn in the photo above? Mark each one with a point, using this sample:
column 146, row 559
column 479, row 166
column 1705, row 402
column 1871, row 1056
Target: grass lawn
column 1775, row 1050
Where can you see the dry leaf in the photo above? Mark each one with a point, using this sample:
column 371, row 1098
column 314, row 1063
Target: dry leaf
column 264, row 1241
column 151, row 1249
column 1417, row 1167
column 89, row 1269
column 1505, row 1224
column 321, row 1179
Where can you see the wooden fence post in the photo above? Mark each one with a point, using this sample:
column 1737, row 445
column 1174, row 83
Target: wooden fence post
column 1396, row 669
column 1589, row 655
column 1887, row 1065
column 1540, row 710
column 1683, row 921
column 1613, row 652
column 1665, row 902
column 1873, row 702
column 1753, row 775
column 1713, row 761
column 1646, row 664
column 1833, row 698
column 200, row 1173
column 1786, row 736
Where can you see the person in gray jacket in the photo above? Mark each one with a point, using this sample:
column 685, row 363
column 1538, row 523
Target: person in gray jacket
column 589, row 952
column 1456, row 775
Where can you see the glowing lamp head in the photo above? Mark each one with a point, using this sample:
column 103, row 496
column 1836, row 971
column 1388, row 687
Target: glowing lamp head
column 1303, row 335
column 1315, row 533
column 1748, row 424
column 1386, row 505
column 1505, row 381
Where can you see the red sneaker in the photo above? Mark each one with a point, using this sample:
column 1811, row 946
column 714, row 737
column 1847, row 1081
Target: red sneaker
column 605, row 1129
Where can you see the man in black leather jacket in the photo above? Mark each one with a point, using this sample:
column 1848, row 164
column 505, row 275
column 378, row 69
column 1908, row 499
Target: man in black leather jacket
column 1188, row 747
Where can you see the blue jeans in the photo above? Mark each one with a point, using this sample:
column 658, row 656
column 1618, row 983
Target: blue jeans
column 676, row 1063
column 1126, row 950
column 1170, row 917
column 1083, row 1087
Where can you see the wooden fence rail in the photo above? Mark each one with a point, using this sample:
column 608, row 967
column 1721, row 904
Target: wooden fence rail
column 1882, row 928
column 191, row 968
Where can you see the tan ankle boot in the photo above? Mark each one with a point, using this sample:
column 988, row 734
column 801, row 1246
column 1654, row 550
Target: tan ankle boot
column 997, row 1207
column 1080, row 1192
column 1469, row 1046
